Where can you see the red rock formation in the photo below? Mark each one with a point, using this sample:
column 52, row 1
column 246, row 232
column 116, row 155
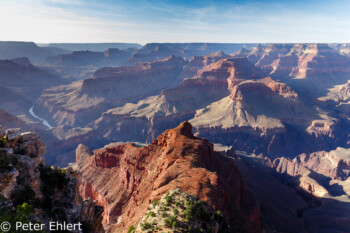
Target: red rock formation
column 125, row 179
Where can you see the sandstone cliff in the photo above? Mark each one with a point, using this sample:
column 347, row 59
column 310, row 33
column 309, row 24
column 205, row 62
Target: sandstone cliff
column 125, row 179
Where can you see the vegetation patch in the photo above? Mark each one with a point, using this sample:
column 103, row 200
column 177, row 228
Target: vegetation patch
column 7, row 162
column 2, row 143
column 21, row 214
column 179, row 212
column 52, row 181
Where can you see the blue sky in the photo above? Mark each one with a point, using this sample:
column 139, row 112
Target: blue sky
column 144, row 21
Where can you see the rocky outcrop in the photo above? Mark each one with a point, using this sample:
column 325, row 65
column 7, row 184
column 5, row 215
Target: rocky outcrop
column 339, row 94
column 125, row 179
column 8, row 181
column 317, row 172
column 48, row 194
column 26, row 149
column 28, row 143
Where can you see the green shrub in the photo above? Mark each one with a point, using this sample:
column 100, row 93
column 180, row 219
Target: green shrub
column 52, row 180
column 196, row 209
column 168, row 200
column 174, row 224
column 131, row 229
column 146, row 226
column 152, row 214
column 155, row 202
column 22, row 212
column 171, row 221
column 218, row 216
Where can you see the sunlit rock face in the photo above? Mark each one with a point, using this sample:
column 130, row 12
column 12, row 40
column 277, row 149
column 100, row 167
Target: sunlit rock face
column 125, row 179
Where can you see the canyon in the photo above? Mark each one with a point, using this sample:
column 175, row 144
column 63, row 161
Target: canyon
column 280, row 111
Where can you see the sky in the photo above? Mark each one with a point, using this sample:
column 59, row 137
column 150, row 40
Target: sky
column 144, row 21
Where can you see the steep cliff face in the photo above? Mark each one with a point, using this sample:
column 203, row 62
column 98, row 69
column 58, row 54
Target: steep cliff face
column 26, row 79
column 125, row 179
column 80, row 103
column 314, row 67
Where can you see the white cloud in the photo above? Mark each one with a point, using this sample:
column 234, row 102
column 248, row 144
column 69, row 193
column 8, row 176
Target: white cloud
column 97, row 22
column 44, row 24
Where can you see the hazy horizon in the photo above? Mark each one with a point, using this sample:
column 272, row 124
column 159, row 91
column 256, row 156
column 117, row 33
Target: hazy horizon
column 41, row 44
